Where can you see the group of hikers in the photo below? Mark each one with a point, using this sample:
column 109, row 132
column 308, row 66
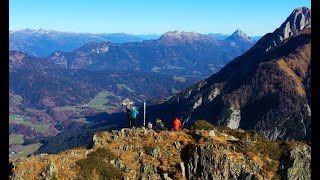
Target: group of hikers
column 132, row 116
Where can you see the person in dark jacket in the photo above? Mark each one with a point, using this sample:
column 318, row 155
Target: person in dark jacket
column 129, row 116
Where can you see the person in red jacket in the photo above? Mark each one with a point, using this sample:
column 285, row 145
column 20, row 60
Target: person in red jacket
column 176, row 124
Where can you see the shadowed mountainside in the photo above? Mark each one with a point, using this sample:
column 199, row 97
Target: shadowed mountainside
column 267, row 88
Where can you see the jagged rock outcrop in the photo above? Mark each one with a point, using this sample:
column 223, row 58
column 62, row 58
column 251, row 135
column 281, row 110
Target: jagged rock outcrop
column 299, row 19
column 51, row 173
column 297, row 164
column 296, row 22
column 202, row 163
column 147, row 154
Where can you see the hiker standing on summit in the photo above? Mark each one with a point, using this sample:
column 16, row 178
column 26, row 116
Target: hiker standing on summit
column 127, row 102
column 129, row 116
column 134, row 113
column 160, row 125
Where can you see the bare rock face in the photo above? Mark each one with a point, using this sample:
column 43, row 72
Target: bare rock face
column 51, row 172
column 201, row 163
column 297, row 165
column 299, row 19
column 296, row 22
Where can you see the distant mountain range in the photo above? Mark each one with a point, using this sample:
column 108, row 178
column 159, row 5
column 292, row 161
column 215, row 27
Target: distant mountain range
column 186, row 54
column 267, row 88
column 41, row 43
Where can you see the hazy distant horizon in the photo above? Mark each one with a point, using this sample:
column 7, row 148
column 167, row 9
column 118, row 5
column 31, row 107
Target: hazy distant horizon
column 217, row 33
column 152, row 17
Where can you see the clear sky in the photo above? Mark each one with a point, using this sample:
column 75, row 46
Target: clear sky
column 254, row 17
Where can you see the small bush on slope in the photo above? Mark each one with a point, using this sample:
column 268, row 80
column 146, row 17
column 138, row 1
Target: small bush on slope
column 98, row 164
column 201, row 124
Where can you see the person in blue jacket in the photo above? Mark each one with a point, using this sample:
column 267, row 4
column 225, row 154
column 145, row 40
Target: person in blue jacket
column 134, row 113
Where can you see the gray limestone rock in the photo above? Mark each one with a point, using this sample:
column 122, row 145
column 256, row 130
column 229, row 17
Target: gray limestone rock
column 156, row 152
column 297, row 164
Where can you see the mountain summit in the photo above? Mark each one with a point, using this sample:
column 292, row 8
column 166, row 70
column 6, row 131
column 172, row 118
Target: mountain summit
column 297, row 21
column 240, row 39
column 175, row 37
column 239, row 35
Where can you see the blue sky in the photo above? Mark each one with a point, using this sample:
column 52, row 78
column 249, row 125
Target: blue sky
column 254, row 17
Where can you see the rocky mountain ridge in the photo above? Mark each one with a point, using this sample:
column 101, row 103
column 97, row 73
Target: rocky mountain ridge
column 176, row 37
column 219, row 153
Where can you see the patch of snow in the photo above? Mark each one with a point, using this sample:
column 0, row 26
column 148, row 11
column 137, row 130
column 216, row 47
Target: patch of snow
column 213, row 94
column 234, row 119
column 197, row 103
column 233, row 44
column 102, row 49
column 96, row 50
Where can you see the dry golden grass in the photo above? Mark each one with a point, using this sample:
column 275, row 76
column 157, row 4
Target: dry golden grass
column 256, row 158
column 300, row 60
column 237, row 155
column 64, row 163
column 284, row 66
